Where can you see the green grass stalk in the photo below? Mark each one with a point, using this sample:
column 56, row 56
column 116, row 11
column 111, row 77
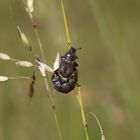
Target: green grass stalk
column 80, row 100
column 78, row 92
column 66, row 24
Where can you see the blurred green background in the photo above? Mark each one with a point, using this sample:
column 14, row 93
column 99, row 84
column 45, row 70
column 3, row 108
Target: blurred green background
column 109, row 33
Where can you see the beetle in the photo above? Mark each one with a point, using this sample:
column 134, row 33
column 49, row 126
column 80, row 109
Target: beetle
column 65, row 73
column 66, row 76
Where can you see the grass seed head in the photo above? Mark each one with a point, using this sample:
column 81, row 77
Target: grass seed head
column 4, row 56
column 29, row 5
column 3, row 78
column 24, row 38
column 24, row 63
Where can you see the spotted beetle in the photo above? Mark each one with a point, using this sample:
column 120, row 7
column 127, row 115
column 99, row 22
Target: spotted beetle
column 65, row 73
column 66, row 76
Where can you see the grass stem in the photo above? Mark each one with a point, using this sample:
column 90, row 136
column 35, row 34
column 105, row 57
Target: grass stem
column 78, row 92
column 80, row 100
column 57, row 124
column 53, row 108
column 40, row 45
column 66, row 24
column 48, row 89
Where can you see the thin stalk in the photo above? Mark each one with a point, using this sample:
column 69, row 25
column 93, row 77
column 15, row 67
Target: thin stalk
column 53, row 108
column 48, row 88
column 66, row 24
column 57, row 124
column 45, row 79
column 22, row 77
column 15, row 60
column 43, row 56
column 80, row 100
column 101, row 129
column 40, row 45
column 78, row 92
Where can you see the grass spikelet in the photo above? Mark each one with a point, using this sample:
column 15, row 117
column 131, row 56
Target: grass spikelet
column 29, row 5
column 29, row 9
column 24, row 64
column 24, row 38
column 3, row 78
column 4, row 56
column 43, row 67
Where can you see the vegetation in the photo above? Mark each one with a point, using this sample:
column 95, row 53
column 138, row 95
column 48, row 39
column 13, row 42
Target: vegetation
column 107, row 32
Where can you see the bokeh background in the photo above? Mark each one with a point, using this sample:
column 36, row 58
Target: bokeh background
column 109, row 33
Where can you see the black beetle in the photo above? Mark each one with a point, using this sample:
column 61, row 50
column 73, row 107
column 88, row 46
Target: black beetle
column 65, row 73
column 66, row 76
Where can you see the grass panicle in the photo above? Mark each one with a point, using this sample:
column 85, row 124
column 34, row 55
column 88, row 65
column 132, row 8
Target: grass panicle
column 29, row 9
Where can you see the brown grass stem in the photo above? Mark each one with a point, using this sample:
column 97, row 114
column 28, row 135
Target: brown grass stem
column 48, row 89
column 53, row 107
column 40, row 45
